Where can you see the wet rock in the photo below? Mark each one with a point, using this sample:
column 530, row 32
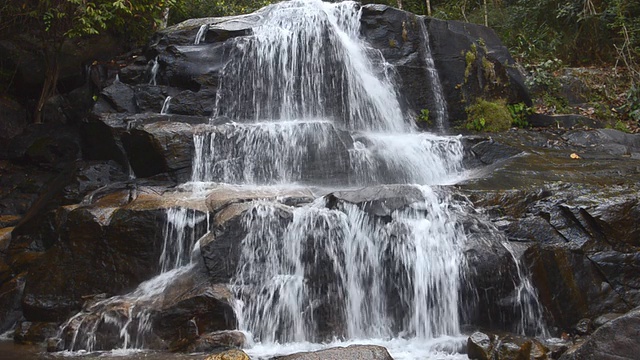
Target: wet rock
column 380, row 200
column 617, row 339
column 199, row 103
column 584, row 326
column 91, row 176
column 603, row 319
column 105, row 247
column 610, row 141
column 570, row 285
column 54, row 344
column 150, row 98
column 10, row 294
column 221, row 247
column 229, row 355
column 481, row 346
column 194, row 306
column 360, row 352
column 160, row 147
column 120, row 97
column 211, row 342
column 45, row 145
column 225, row 195
column 28, row 333
column 489, row 152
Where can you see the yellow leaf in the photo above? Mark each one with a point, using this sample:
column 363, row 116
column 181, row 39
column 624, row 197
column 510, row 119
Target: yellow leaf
column 575, row 156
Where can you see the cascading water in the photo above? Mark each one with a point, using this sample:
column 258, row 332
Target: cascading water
column 440, row 112
column 165, row 106
column 202, row 31
column 323, row 114
column 530, row 312
column 129, row 315
column 379, row 278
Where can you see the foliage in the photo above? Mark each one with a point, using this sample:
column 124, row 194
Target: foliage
column 633, row 102
column 424, row 116
column 519, row 113
column 490, row 116
column 189, row 9
column 55, row 22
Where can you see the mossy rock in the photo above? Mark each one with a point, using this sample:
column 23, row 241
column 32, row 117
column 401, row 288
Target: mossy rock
column 489, row 116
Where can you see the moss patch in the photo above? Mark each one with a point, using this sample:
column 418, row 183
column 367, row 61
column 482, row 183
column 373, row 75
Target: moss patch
column 490, row 116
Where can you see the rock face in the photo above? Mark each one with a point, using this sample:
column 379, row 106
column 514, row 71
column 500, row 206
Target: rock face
column 572, row 215
column 617, row 339
column 470, row 59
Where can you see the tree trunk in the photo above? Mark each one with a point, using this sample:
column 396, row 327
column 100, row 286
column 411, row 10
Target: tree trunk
column 165, row 18
column 399, row 4
column 486, row 14
column 49, row 87
column 428, row 7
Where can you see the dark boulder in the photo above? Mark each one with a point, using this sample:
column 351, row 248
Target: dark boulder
column 29, row 333
column 193, row 306
column 109, row 246
column 160, row 147
column 615, row 340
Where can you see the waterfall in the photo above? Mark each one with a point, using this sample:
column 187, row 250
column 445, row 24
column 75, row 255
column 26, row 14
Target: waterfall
column 202, row 31
column 305, row 101
column 530, row 311
column 440, row 103
column 380, row 278
column 324, row 114
column 155, row 66
column 165, row 105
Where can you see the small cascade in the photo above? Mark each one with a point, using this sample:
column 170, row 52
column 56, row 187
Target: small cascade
column 155, row 66
column 125, row 160
column 531, row 313
column 124, row 321
column 165, row 106
column 440, row 113
column 202, row 32
column 378, row 278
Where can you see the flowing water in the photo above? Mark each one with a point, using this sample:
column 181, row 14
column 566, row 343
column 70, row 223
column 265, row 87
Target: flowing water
column 165, row 106
column 130, row 314
column 324, row 112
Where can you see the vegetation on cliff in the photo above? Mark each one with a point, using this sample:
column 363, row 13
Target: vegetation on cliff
column 586, row 33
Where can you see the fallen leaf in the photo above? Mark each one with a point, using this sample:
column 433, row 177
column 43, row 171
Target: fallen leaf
column 575, row 156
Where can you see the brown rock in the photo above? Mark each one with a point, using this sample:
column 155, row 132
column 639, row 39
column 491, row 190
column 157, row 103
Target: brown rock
column 229, row 355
